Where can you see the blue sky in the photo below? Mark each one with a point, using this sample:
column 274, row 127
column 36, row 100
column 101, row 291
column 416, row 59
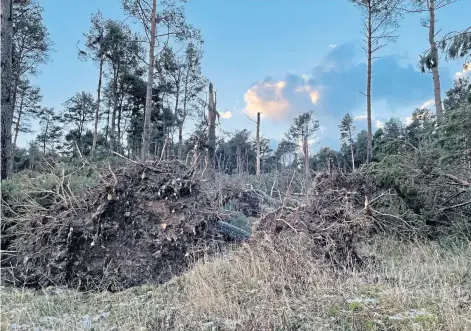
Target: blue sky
column 273, row 56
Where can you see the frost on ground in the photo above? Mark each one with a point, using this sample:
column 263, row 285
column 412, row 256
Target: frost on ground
column 271, row 285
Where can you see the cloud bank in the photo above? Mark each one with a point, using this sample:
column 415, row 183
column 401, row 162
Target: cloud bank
column 336, row 86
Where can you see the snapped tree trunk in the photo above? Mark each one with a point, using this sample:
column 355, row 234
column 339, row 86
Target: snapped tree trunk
column 258, row 145
column 97, row 109
column 369, row 149
column 434, row 51
column 6, row 82
column 150, row 82
column 212, row 127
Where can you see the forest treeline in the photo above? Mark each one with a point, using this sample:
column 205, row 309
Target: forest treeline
column 150, row 85
column 121, row 114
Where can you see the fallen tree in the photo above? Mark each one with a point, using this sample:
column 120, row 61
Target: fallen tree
column 140, row 226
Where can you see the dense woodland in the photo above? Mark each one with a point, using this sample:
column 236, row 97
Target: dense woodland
column 151, row 85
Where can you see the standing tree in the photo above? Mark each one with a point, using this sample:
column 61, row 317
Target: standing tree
column 96, row 44
column 25, row 45
column 122, row 53
column 346, row 128
column 172, row 68
column 301, row 130
column 380, row 21
column 429, row 60
column 28, row 105
column 171, row 20
column 7, row 103
column 284, row 152
column 51, row 130
column 79, row 111
column 193, row 85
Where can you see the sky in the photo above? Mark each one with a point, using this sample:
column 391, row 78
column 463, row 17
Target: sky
column 279, row 57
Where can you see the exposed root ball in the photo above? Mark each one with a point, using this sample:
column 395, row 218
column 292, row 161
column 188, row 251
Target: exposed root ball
column 135, row 230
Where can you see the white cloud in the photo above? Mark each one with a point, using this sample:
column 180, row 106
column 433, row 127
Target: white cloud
column 268, row 99
column 312, row 92
column 332, row 46
column 360, row 118
column 226, row 114
column 379, row 124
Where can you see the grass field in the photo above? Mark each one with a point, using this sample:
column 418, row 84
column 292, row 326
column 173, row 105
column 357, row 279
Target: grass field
column 272, row 286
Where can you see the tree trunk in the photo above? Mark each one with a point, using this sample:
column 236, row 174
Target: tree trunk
column 113, row 129
column 306, row 156
column 45, row 136
column 434, row 50
column 178, row 120
column 369, row 149
column 212, row 127
column 97, row 109
column 182, row 120
column 6, row 89
column 239, row 160
column 120, row 113
column 150, row 81
column 258, row 145
column 115, row 109
column 351, row 149
column 180, row 140
column 107, row 129
column 18, row 121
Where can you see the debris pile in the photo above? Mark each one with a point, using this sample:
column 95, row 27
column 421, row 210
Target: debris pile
column 136, row 228
column 333, row 215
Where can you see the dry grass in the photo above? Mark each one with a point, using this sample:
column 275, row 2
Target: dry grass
column 274, row 286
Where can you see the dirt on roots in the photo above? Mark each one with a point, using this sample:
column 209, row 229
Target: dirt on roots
column 138, row 229
column 333, row 216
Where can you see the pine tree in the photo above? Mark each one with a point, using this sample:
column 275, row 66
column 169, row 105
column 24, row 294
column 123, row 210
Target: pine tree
column 28, row 106
column 301, row 130
column 380, row 21
column 346, row 130
column 51, row 130
column 79, row 111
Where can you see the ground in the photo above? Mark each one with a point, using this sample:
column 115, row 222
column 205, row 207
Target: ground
column 270, row 285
